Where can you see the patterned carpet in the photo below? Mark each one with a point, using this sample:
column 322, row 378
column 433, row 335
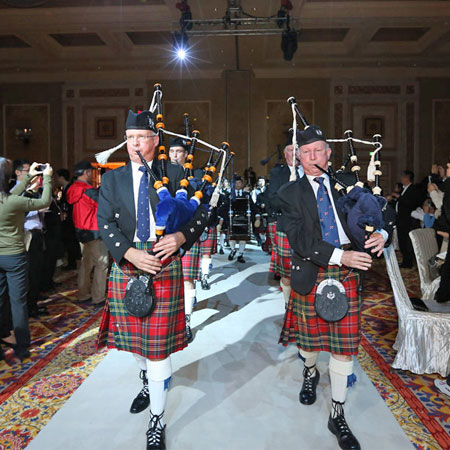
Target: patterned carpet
column 423, row 412
column 63, row 355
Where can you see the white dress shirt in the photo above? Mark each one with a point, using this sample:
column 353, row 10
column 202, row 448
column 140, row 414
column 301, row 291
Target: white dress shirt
column 137, row 175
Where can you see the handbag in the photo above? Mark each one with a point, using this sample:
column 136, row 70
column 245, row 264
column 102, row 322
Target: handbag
column 139, row 298
column 433, row 267
column 331, row 301
column 418, row 304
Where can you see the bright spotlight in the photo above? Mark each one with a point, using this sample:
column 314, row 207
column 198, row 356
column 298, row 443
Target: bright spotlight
column 179, row 45
column 181, row 53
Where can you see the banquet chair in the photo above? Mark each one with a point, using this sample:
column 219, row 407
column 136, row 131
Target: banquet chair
column 425, row 246
column 423, row 337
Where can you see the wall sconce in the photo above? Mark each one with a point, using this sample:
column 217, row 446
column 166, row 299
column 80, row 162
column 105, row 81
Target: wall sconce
column 24, row 134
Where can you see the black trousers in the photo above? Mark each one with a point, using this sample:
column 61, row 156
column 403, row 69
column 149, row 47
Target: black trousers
column 405, row 244
column 443, row 293
column 36, row 266
column 70, row 242
column 14, row 280
column 6, row 324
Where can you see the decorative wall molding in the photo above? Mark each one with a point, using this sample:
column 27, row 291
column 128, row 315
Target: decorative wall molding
column 440, row 130
column 122, row 92
column 370, row 90
column 391, row 104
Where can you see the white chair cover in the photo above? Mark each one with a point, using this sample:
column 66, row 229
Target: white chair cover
column 395, row 239
column 444, row 245
column 425, row 246
column 423, row 338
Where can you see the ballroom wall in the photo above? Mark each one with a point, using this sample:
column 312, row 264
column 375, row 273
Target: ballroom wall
column 72, row 120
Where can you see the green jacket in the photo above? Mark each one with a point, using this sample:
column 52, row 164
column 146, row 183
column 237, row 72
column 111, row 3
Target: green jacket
column 13, row 209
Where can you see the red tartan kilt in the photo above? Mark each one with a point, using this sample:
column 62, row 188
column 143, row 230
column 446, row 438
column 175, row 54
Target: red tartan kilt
column 191, row 263
column 310, row 332
column 209, row 247
column 155, row 336
column 271, row 228
column 281, row 256
column 272, row 231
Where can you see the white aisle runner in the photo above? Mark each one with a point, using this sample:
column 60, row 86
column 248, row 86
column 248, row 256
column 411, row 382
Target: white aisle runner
column 233, row 388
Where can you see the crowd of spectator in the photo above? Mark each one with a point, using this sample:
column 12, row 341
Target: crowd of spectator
column 424, row 205
column 39, row 226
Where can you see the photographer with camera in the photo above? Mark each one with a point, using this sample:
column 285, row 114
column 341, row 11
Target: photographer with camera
column 34, row 227
column 14, row 264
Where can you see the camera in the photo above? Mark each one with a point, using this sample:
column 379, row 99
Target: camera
column 41, row 167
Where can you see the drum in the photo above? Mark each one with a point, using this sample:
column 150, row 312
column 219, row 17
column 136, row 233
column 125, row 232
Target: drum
column 240, row 220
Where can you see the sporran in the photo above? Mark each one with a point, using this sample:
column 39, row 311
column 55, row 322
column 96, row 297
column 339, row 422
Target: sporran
column 331, row 301
column 140, row 298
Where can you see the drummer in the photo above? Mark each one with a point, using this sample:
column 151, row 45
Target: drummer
column 239, row 193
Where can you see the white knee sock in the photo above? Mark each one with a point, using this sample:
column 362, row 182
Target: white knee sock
column 142, row 362
column 189, row 297
column 310, row 359
column 286, row 288
column 241, row 247
column 339, row 372
column 158, row 373
column 232, row 245
column 206, row 261
column 222, row 240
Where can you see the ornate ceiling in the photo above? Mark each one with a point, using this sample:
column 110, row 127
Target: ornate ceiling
column 63, row 39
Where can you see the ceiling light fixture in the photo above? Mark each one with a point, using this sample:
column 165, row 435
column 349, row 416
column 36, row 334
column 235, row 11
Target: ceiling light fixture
column 237, row 22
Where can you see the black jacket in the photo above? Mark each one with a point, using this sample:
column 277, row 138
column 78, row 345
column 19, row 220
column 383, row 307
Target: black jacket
column 408, row 202
column 302, row 226
column 116, row 213
column 278, row 177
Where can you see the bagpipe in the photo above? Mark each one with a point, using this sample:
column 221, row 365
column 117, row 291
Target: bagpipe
column 173, row 212
column 364, row 207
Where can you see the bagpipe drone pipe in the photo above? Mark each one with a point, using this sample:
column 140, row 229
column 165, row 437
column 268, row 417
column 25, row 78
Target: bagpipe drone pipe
column 367, row 211
column 173, row 212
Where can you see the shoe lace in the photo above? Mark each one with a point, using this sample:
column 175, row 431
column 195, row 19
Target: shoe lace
column 309, row 375
column 144, row 391
column 155, row 429
column 339, row 418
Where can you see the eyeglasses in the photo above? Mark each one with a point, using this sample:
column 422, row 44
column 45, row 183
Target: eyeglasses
column 140, row 138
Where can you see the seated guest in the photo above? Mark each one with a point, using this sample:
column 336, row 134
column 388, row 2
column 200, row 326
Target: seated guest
column 13, row 256
column 425, row 214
